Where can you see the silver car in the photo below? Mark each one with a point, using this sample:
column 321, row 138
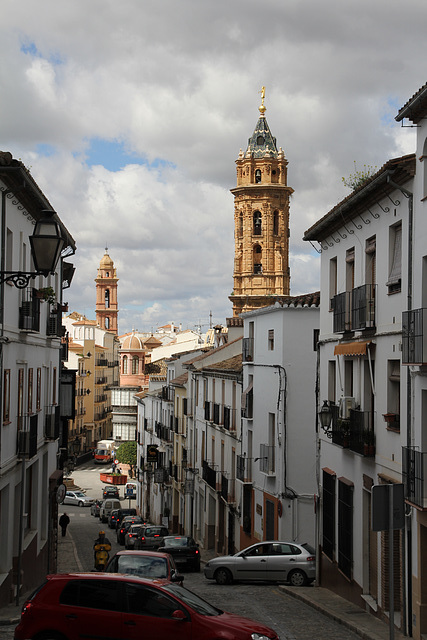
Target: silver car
column 78, row 498
column 267, row 561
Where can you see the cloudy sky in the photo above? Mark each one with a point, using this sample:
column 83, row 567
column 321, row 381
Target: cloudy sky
column 131, row 114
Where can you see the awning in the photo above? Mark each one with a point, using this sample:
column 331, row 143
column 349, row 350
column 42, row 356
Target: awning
column 246, row 391
column 352, row 348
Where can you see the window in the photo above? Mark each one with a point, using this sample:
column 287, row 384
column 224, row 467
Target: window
column 54, row 386
column 257, row 221
column 9, row 250
column 94, row 594
column 345, row 526
column 258, row 176
column 30, row 391
column 328, row 533
column 20, row 398
column 135, row 363
column 332, row 279
column 395, row 272
column 271, row 339
column 39, row 389
column 240, row 232
column 260, row 140
column 370, row 266
column 257, row 258
column 392, row 416
column 107, row 298
column 125, row 364
column 149, row 602
column 6, row 396
column 349, row 272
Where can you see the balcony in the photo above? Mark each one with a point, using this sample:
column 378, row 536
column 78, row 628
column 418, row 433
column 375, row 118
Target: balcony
column 267, row 461
column 29, row 312
column 414, row 465
column 209, row 474
column 355, row 432
column 354, row 310
column 414, row 337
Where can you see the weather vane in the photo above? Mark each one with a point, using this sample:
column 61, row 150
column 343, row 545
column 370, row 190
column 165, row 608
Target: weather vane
column 262, row 108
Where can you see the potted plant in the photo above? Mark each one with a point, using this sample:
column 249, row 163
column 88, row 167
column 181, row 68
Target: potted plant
column 46, row 294
column 368, row 442
column 389, row 417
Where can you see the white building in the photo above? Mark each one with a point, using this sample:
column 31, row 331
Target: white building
column 277, row 463
column 365, row 243
column 30, row 373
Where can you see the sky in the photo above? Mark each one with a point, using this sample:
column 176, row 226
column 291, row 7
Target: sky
column 131, row 114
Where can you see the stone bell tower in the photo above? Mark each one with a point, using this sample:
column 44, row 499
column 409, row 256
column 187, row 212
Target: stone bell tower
column 106, row 295
column 261, row 222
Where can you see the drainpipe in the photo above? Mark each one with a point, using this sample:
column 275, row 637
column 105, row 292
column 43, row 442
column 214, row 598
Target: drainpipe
column 407, row 572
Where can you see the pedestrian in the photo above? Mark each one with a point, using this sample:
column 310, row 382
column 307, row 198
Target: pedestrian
column 64, row 521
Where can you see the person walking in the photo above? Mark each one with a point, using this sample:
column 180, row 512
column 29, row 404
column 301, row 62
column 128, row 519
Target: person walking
column 64, row 521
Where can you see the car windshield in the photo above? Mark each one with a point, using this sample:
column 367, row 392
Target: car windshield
column 190, row 599
column 143, row 567
column 79, row 494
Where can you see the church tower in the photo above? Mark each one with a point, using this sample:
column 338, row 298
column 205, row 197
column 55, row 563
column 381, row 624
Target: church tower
column 106, row 295
column 261, row 222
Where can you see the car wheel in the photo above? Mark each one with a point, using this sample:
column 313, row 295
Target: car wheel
column 297, row 578
column 81, row 504
column 197, row 567
column 223, row 576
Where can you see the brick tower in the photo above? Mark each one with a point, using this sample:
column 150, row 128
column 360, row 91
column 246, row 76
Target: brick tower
column 106, row 295
column 261, row 222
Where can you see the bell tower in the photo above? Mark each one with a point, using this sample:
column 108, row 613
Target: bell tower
column 106, row 295
column 261, row 222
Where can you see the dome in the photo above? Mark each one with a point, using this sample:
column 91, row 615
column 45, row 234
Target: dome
column 132, row 343
column 106, row 262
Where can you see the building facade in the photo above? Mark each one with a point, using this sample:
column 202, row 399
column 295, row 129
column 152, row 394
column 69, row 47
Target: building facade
column 30, row 391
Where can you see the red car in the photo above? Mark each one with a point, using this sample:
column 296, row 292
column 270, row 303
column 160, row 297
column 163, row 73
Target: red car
column 100, row 605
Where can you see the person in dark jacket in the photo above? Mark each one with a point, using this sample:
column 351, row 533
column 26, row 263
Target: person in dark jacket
column 64, row 521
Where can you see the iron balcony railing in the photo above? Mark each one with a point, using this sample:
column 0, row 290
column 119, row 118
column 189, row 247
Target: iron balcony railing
column 248, row 349
column 209, row 474
column 354, row 310
column 267, row 462
column 414, row 336
column 355, row 432
column 414, row 464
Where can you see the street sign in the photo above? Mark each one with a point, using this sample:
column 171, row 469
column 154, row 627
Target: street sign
column 116, row 462
column 381, row 501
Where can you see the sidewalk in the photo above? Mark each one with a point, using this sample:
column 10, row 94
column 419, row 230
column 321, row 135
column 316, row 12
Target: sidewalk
column 349, row 615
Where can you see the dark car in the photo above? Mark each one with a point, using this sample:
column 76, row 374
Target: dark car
column 151, row 537
column 113, row 518
column 125, row 525
column 184, row 550
column 123, row 513
column 145, row 564
column 110, row 492
column 115, row 605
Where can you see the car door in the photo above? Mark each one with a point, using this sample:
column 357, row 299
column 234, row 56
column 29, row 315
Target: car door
column 252, row 564
column 281, row 560
column 148, row 614
column 92, row 609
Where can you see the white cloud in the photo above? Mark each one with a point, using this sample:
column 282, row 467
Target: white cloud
column 178, row 82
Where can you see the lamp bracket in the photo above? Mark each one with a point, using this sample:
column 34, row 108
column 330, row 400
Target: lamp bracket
column 21, row 279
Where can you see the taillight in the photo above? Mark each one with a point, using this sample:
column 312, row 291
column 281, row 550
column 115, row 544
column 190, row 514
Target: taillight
column 26, row 607
column 311, row 558
column 196, row 552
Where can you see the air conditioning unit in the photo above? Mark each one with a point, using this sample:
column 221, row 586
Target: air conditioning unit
column 23, row 443
column 347, row 403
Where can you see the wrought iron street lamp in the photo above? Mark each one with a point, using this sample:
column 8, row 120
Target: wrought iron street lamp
column 46, row 246
column 325, row 418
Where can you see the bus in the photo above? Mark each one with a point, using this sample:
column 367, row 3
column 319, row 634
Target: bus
column 104, row 451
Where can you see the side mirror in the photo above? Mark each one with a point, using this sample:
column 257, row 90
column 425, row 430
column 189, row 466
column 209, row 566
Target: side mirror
column 179, row 615
column 177, row 577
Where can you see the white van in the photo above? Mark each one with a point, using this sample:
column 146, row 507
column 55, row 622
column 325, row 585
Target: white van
column 106, row 508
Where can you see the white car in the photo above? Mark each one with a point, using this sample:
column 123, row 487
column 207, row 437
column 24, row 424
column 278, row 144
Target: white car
column 78, row 498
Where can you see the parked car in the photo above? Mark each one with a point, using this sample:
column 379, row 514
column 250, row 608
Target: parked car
column 274, row 561
column 145, row 564
column 95, row 508
column 184, row 550
column 109, row 605
column 110, row 492
column 131, row 535
column 123, row 513
column 125, row 525
column 78, row 498
column 151, row 537
column 113, row 518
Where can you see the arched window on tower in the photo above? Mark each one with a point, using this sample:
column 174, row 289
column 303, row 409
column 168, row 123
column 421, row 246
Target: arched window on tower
column 258, row 175
column 107, row 298
column 135, row 363
column 276, row 223
column 257, row 259
column 257, row 223
column 125, row 364
column 107, row 322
